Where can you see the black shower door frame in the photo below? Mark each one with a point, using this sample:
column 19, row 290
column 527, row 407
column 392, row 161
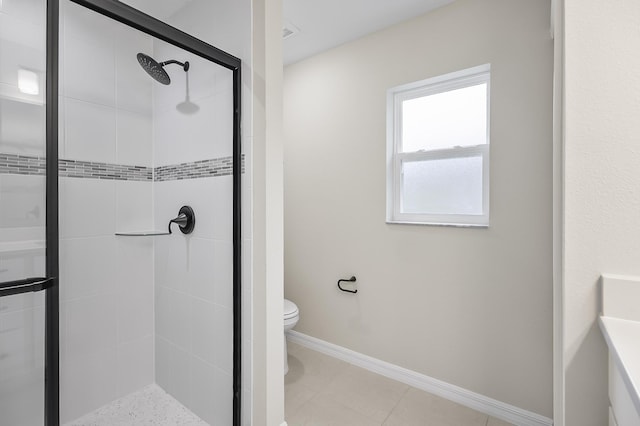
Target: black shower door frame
column 133, row 18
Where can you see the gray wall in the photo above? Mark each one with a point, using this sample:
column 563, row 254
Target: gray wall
column 602, row 190
column 472, row 307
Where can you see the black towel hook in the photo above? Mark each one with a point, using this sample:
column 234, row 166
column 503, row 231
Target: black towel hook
column 350, row 280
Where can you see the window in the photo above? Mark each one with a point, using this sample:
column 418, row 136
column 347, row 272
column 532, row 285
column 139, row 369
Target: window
column 438, row 150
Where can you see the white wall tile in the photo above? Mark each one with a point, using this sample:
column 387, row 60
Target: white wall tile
column 223, row 397
column 204, row 335
column 134, row 206
column 204, row 260
column 89, row 59
column 87, row 207
column 180, row 332
column 133, row 84
column 91, row 324
column 88, row 380
column 203, row 390
column 80, row 22
column 22, row 347
column 61, row 127
column 87, row 267
column 211, row 271
column 171, row 261
column 223, row 330
column 22, row 44
column 223, row 273
column 30, row 264
column 181, row 138
column 89, row 71
column 22, row 127
column 215, row 206
column 90, row 132
column 22, row 201
column 179, row 386
column 173, row 317
column 134, row 138
column 135, row 365
column 32, row 11
column 162, row 311
column 20, row 302
column 135, row 262
column 163, row 363
column 135, row 307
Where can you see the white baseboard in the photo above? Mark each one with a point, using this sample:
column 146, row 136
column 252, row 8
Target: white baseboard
column 492, row 407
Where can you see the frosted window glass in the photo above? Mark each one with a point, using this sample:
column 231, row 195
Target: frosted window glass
column 443, row 186
column 444, row 120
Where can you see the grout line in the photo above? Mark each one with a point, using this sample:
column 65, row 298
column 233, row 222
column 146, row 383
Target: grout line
column 406, row 391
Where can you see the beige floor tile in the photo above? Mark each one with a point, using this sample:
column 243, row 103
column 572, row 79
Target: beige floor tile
column 324, row 411
column 295, row 396
column 311, row 368
column 365, row 392
column 497, row 422
column 418, row 408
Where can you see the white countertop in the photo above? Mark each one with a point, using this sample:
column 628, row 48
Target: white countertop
column 623, row 339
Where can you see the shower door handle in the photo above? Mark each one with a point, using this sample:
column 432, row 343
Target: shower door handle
column 27, row 285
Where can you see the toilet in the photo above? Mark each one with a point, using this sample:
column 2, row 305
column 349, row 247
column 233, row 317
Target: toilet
column 291, row 316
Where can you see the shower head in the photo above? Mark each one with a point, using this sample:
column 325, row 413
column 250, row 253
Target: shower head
column 156, row 69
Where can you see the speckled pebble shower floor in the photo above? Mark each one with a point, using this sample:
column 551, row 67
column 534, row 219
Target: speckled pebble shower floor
column 149, row 406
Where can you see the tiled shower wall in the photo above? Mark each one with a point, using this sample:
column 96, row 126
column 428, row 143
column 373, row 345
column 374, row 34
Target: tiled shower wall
column 21, row 216
column 194, row 276
column 123, row 315
column 120, row 329
column 106, row 281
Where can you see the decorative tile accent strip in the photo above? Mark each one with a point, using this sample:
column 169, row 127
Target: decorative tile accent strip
column 204, row 168
column 91, row 170
column 14, row 164
column 30, row 165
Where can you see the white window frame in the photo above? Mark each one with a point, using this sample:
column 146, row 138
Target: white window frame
column 395, row 157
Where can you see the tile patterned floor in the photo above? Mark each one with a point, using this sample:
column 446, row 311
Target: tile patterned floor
column 324, row 391
column 150, row 406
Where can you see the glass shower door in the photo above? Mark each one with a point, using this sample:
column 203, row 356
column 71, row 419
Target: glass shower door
column 22, row 212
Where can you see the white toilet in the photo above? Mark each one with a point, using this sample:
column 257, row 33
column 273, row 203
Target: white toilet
column 291, row 316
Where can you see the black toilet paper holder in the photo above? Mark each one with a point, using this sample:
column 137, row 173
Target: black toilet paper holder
column 350, row 280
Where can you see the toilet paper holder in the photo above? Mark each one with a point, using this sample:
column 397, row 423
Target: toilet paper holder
column 346, row 290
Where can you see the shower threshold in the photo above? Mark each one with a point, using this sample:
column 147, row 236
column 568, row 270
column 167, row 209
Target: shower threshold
column 150, row 405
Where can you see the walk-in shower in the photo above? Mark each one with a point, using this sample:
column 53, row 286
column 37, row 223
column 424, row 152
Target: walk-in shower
column 106, row 315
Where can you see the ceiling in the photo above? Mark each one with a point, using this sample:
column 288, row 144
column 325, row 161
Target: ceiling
column 320, row 24
column 324, row 24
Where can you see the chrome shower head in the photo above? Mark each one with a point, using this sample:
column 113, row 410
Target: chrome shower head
column 156, row 69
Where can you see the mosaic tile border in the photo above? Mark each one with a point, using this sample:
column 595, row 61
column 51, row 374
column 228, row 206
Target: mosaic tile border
column 31, row 165
column 22, row 164
column 204, row 168
column 93, row 170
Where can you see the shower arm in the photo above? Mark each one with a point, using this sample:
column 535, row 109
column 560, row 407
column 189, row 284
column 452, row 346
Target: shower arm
column 184, row 65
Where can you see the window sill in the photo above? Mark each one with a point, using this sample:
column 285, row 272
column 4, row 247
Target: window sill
column 449, row 225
